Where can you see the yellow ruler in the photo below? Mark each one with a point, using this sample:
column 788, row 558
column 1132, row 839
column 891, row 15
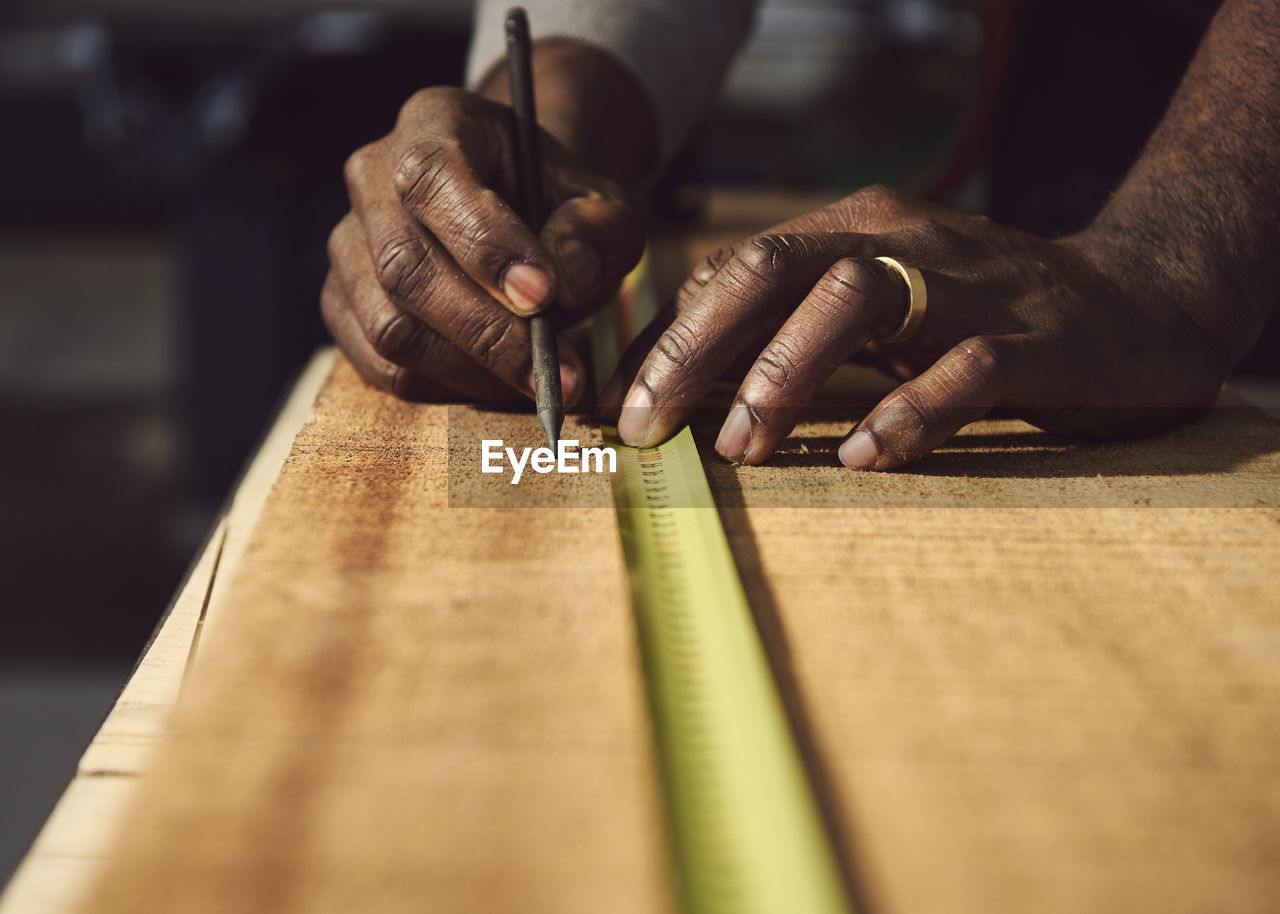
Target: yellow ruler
column 745, row 828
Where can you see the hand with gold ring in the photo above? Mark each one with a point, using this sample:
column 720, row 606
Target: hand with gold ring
column 1068, row 334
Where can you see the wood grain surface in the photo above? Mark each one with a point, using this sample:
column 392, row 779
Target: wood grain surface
column 1036, row 675
column 1031, row 676
column 405, row 706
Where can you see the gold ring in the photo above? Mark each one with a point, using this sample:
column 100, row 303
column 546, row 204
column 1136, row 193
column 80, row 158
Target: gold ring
column 917, row 299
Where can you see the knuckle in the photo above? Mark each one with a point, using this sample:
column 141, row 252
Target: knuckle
column 882, row 196
column 356, row 168
column 876, row 192
column 854, row 281
column 427, row 100
column 848, row 287
column 982, row 356
column 680, row 345
column 476, row 238
column 979, row 363
column 702, row 274
column 780, row 363
column 404, row 267
column 395, row 336
column 935, row 234
column 420, row 174
column 333, row 244
column 488, row 337
column 712, row 263
column 765, row 257
column 417, row 101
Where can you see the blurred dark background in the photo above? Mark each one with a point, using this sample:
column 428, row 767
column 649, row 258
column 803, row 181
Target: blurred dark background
column 169, row 172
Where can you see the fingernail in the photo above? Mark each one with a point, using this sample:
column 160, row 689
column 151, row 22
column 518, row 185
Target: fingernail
column 859, row 451
column 633, row 424
column 581, row 264
column 735, row 435
column 525, row 287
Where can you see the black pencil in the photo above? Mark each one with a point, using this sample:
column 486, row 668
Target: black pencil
column 546, row 358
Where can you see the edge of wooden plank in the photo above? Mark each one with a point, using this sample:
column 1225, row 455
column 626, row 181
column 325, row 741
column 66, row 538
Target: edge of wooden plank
column 260, row 477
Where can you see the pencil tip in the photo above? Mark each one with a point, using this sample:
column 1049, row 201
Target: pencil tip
column 551, row 420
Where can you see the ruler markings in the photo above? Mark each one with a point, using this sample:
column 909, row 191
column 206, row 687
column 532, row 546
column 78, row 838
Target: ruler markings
column 745, row 829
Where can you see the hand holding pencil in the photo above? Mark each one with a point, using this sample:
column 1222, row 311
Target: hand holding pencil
column 434, row 273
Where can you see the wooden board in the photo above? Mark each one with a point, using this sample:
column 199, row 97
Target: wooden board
column 405, row 705
column 1032, row 676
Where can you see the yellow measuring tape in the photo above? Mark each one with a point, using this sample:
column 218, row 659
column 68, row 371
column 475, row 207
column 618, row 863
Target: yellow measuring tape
column 744, row 824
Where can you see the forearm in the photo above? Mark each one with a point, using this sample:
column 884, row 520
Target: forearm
column 1199, row 213
column 592, row 105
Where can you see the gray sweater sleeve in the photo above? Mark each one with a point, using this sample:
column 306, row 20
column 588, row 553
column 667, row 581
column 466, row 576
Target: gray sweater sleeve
column 678, row 50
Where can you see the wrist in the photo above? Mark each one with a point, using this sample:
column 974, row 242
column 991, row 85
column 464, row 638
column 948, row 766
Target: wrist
column 591, row 104
column 1164, row 276
column 1195, row 217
